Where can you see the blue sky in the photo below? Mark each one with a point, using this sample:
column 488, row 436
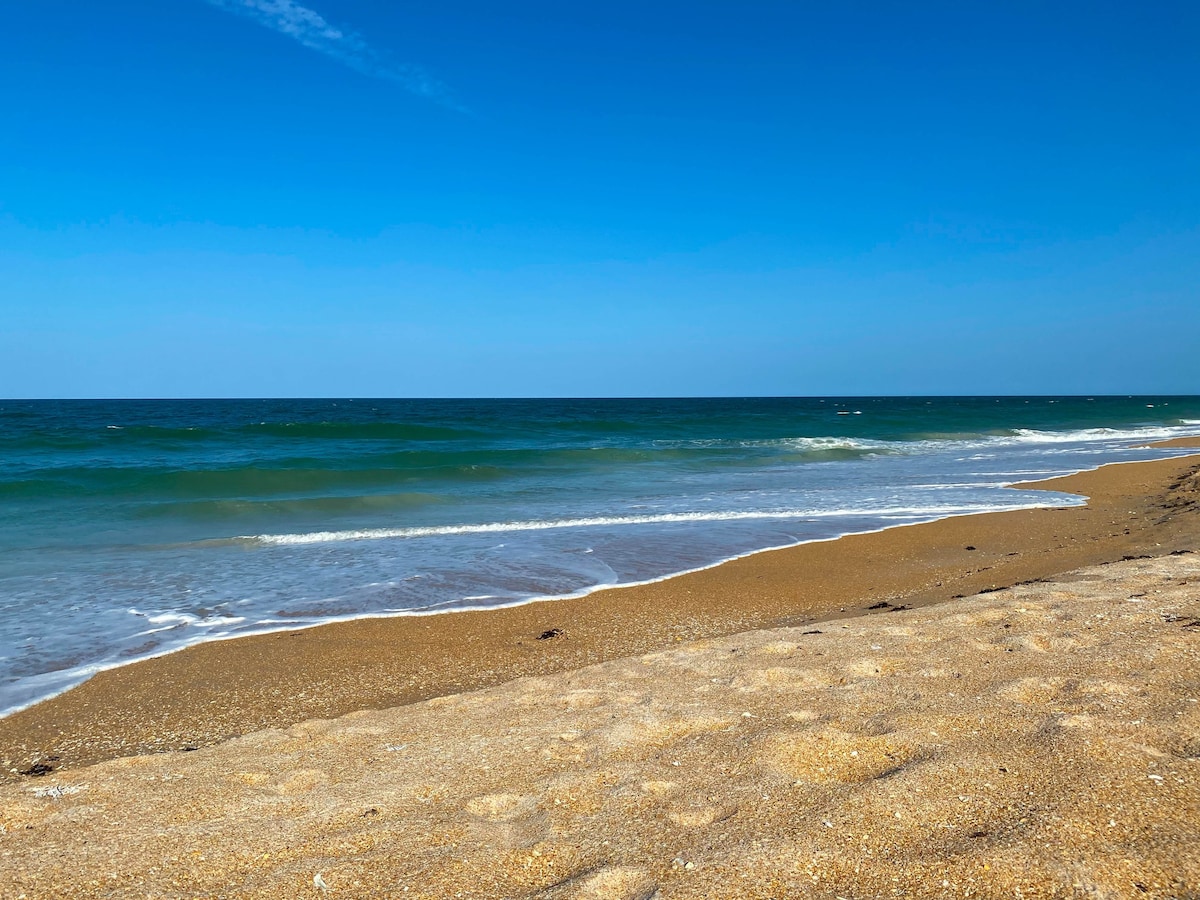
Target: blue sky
column 344, row 197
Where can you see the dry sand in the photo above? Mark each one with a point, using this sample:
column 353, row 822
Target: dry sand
column 1040, row 740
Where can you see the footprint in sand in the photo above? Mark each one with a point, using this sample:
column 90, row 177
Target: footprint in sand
column 875, row 667
column 660, row 788
column 701, row 816
column 301, row 781
column 610, row 883
column 779, row 678
column 512, row 820
column 1056, row 689
column 831, row 755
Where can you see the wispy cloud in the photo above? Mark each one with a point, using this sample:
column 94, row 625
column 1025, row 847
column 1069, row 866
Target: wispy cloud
column 308, row 27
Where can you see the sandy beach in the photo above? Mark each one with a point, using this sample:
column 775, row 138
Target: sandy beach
column 212, row 692
column 1041, row 741
column 850, row 718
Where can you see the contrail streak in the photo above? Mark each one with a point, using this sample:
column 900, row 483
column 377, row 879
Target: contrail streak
column 308, row 27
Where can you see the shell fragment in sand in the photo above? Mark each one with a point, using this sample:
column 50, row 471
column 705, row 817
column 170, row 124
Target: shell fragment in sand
column 57, row 792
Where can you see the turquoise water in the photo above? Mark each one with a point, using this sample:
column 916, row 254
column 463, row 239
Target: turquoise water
column 131, row 528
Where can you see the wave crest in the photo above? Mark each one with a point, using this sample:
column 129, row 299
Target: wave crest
column 373, row 534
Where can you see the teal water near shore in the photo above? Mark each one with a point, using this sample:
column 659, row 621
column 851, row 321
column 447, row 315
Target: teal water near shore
column 132, row 528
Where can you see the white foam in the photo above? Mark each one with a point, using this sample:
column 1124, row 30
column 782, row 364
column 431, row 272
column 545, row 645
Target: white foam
column 1018, row 437
column 173, row 619
column 958, row 485
column 837, row 443
column 374, row 534
column 796, row 443
column 215, row 621
column 1149, row 432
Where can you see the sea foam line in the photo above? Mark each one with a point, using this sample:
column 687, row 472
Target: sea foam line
column 1016, row 437
column 374, row 534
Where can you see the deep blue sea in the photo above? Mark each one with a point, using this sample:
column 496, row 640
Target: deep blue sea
column 132, row 528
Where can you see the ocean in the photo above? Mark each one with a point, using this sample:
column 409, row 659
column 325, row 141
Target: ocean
column 129, row 529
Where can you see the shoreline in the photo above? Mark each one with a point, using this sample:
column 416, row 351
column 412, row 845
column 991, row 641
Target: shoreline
column 92, row 670
column 217, row 689
column 1187, row 442
column 100, row 668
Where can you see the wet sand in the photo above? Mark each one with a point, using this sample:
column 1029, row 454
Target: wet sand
column 213, row 692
